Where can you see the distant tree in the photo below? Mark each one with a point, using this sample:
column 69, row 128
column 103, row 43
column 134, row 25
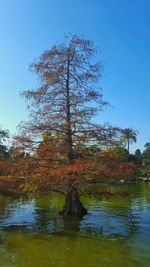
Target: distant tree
column 3, row 135
column 146, row 160
column 117, row 164
column 117, row 154
column 20, row 148
column 4, row 153
column 147, row 145
column 146, row 152
column 128, row 137
column 132, row 158
column 146, row 155
column 138, row 155
column 3, row 149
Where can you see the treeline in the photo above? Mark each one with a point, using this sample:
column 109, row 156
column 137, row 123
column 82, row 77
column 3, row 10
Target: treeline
column 143, row 159
column 43, row 167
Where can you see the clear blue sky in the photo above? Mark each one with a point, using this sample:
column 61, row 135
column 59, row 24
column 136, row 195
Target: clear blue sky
column 121, row 28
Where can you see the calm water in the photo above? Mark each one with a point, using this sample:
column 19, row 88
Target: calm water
column 114, row 233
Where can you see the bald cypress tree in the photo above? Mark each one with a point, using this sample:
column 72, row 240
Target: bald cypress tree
column 65, row 101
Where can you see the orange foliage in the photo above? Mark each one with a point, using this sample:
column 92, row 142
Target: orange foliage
column 41, row 176
column 121, row 171
column 46, row 171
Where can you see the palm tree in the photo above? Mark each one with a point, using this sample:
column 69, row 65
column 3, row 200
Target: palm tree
column 128, row 137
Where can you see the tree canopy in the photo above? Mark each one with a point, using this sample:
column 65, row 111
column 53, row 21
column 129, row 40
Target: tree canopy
column 68, row 97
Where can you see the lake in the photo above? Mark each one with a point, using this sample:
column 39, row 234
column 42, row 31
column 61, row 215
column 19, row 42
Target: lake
column 114, row 233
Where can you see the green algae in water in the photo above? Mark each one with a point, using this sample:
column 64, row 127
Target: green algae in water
column 115, row 232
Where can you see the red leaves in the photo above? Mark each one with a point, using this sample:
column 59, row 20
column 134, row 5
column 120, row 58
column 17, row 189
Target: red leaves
column 122, row 170
column 48, row 148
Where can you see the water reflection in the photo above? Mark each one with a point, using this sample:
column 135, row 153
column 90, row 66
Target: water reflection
column 115, row 232
column 121, row 216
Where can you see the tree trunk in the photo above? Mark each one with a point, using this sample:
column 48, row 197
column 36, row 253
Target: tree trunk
column 73, row 206
column 68, row 116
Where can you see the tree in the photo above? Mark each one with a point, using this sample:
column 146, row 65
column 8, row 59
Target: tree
column 147, row 145
column 117, row 164
column 3, row 135
column 138, row 155
column 146, row 160
column 63, row 105
column 129, row 136
column 4, row 153
column 3, row 149
column 117, row 154
column 146, row 152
